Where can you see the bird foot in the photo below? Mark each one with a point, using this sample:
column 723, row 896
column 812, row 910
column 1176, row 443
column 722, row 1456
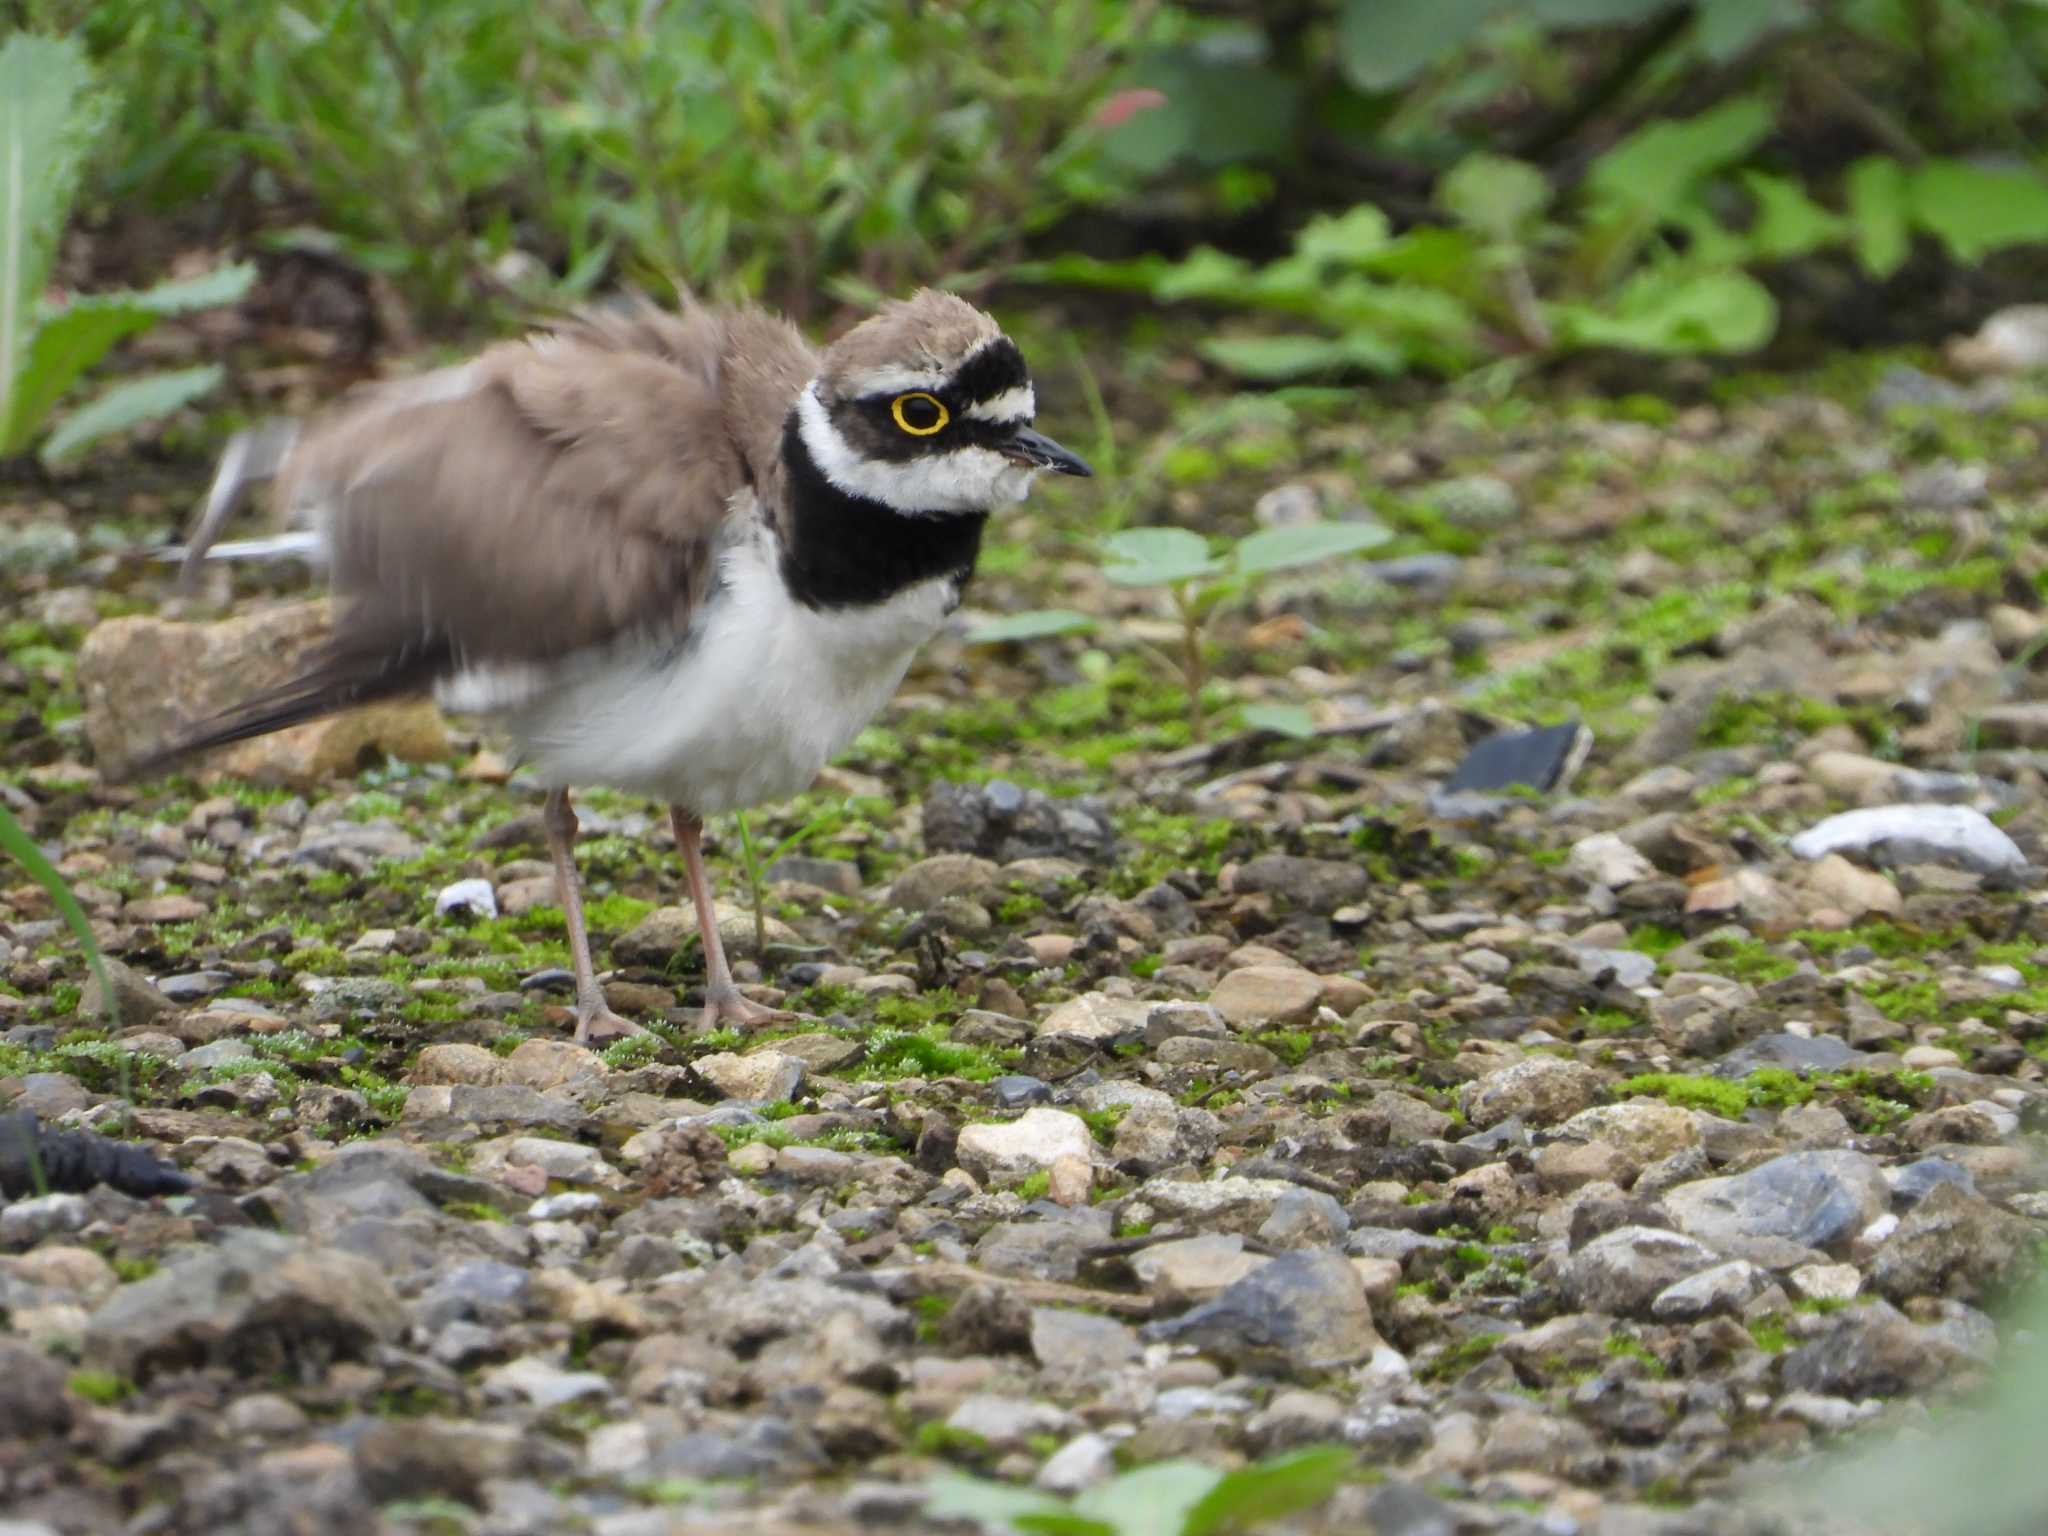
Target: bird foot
column 727, row 1006
column 602, row 1025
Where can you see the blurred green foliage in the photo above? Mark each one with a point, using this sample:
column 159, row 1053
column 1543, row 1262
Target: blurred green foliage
column 732, row 144
column 1459, row 182
column 50, row 113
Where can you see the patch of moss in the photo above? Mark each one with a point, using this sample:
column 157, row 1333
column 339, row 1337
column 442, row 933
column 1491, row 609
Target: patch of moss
column 1715, row 1094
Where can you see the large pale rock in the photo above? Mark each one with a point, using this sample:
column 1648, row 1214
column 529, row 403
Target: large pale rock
column 1954, row 835
column 1643, row 1131
column 1267, row 994
column 1032, row 1143
column 1094, row 1016
column 1625, row 1270
column 1303, row 1311
column 147, row 681
column 760, row 1076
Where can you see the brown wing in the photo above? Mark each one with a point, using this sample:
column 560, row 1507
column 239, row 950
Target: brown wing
column 551, row 495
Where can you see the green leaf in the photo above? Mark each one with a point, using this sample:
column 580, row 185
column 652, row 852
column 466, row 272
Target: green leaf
column 1346, row 237
column 1728, row 27
column 1276, row 358
column 1141, row 274
column 18, row 845
column 1385, row 43
column 995, row 1506
column 1290, row 720
column 1493, row 194
column 1064, row 1525
column 1880, row 207
column 1974, row 210
column 1677, row 312
column 66, row 344
column 49, row 117
column 1270, row 1490
column 1653, row 170
column 223, row 285
column 1153, row 557
column 1788, row 223
column 1280, row 549
column 1206, row 273
column 127, row 404
column 1034, row 625
column 1150, row 1501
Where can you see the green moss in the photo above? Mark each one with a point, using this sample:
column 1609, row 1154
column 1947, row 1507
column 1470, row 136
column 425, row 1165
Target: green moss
column 1715, row 1094
column 1770, row 1334
column 1035, row 1186
column 1460, row 1357
column 102, row 1387
column 1626, row 1346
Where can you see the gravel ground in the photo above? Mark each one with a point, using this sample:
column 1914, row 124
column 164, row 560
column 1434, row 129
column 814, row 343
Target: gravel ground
column 1565, row 1156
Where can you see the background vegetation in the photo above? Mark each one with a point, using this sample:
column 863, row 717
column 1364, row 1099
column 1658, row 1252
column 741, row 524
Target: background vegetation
column 1383, row 186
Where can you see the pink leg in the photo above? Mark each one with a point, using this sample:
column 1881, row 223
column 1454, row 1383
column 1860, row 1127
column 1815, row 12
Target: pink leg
column 722, row 1000
column 593, row 1018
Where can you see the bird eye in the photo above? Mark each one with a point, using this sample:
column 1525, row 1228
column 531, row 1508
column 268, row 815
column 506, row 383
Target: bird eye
column 919, row 414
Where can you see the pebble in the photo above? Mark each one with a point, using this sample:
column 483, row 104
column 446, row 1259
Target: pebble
column 1896, row 835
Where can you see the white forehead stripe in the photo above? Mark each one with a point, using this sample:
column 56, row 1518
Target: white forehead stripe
column 893, row 380
column 1018, row 404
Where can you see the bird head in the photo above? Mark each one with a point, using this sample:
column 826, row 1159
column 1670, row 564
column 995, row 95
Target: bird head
column 926, row 408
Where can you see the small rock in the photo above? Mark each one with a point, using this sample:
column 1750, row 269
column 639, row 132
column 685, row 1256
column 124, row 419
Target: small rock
column 763, row 1077
column 1022, row 1147
column 930, row 881
column 1624, row 1271
column 1194, row 1269
column 1267, row 994
column 1896, row 835
column 1097, row 1016
column 1604, row 859
column 467, row 898
column 1854, row 889
column 1541, row 1090
column 1952, row 1244
column 1726, row 1288
column 1303, row 1311
column 1815, row 1199
column 136, row 1002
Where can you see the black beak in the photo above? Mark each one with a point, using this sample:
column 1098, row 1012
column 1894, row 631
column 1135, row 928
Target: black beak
column 1029, row 447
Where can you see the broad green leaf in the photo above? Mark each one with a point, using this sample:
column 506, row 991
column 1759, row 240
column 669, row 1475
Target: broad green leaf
column 1493, row 194
column 1385, row 43
column 1035, row 625
column 1290, row 720
column 1726, row 27
column 1270, row 1490
column 19, row 846
column 223, row 285
column 1654, row 168
column 1279, row 549
column 1345, row 237
column 1152, row 557
column 68, row 342
column 1150, row 1501
column 1880, row 208
column 1270, row 358
column 49, row 117
column 1677, row 312
column 1206, row 273
column 127, row 404
column 1788, row 223
column 996, row 1506
column 1974, row 210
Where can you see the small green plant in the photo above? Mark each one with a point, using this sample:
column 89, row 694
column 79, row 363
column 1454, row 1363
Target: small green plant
column 50, row 115
column 1199, row 582
column 1718, row 1095
column 1168, row 1498
column 756, row 864
column 101, row 1387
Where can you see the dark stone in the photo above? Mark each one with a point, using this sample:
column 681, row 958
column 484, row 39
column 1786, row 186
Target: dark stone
column 1306, row 1310
column 32, row 1397
column 1020, row 1092
column 1000, row 821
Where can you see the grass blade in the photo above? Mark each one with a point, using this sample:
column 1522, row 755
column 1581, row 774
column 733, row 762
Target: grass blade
column 17, row 844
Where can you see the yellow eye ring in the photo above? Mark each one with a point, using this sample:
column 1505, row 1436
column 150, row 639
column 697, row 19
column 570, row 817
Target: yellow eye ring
column 903, row 421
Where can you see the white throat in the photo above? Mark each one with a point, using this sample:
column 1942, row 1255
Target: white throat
column 962, row 480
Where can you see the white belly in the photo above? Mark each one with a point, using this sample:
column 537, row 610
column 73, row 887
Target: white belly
column 747, row 708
